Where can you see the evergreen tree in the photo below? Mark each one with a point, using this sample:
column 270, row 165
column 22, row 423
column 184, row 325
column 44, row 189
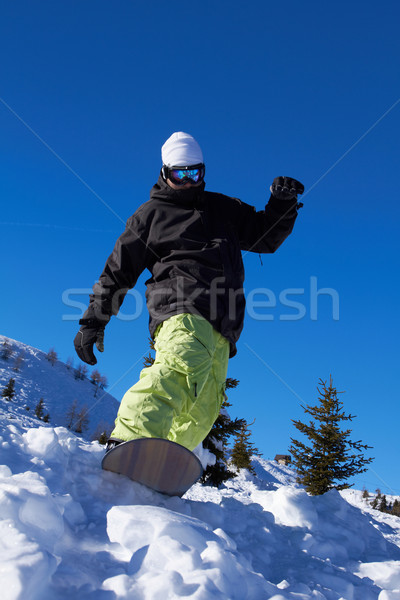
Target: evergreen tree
column 6, row 350
column 243, row 449
column 102, row 433
column 103, row 438
column 383, row 505
column 70, row 363
column 365, row 494
column 374, row 503
column 9, row 391
column 396, row 508
column 332, row 458
column 217, row 442
column 39, row 410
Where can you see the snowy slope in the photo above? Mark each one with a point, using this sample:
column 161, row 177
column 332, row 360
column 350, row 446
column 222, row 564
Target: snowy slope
column 57, row 386
column 71, row 531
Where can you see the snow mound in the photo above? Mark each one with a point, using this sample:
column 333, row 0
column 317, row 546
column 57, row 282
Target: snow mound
column 70, row 530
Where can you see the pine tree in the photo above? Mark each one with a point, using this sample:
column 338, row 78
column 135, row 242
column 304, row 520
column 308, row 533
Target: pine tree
column 102, row 433
column 243, row 449
column 374, row 503
column 332, row 458
column 217, row 442
column 383, row 505
column 6, row 350
column 103, row 438
column 365, row 494
column 39, row 410
column 396, row 508
column 9, row 391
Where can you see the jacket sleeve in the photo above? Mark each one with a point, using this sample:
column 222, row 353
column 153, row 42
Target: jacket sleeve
column 126, row 262
column 265, row 230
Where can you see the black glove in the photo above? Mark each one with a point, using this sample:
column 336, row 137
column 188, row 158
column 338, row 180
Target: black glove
column 91, row 332
column 286, row 188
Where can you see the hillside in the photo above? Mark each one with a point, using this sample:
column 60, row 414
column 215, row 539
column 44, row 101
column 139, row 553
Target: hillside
column 71, row 531
column 56, row 384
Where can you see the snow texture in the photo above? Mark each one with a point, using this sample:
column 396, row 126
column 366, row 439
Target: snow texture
column 69, row 530
column 38, row 378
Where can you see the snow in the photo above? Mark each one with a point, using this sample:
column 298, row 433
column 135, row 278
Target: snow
column 69, row 530
column 38, row 378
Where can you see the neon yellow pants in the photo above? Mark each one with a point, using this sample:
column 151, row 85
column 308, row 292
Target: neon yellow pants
column 178, row 397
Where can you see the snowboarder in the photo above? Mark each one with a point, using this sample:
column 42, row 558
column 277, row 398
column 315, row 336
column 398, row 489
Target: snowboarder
column 190, row 240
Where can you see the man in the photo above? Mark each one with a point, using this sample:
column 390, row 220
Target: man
column 190, row 240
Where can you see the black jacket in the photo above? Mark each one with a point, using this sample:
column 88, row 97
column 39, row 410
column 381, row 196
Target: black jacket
column 191, row 242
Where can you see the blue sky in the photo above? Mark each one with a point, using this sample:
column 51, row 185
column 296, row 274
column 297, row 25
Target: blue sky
column 90, row 91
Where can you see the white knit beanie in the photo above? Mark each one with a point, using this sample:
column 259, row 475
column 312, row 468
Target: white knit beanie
column 181, row 150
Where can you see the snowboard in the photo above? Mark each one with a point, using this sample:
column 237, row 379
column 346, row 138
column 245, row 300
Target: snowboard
column 161, row 465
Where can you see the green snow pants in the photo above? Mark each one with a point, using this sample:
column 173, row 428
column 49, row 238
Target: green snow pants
column 178, row 397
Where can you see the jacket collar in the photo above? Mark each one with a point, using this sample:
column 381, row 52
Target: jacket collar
column 190, row 197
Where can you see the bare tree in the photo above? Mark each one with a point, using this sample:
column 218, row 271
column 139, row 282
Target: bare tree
column 18, row 362
column 52, row 356
column 72, row 414
column 82, row 421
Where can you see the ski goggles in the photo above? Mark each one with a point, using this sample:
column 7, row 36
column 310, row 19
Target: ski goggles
column 183, row 175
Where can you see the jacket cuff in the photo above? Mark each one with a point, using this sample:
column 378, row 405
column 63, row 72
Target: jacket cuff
column 94, row 317
column 283, row 206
